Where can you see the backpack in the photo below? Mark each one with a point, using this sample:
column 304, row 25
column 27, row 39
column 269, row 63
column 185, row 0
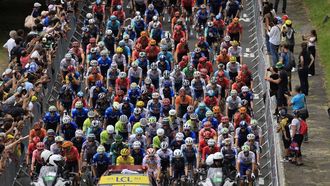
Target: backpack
column 303, row 127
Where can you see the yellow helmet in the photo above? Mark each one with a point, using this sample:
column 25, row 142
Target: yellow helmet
column 288, row 22
column 124, row 152
column 119, row 50
column 234, row 43
column 152, row 42
column 232, row 59
column 140, row 104
column 144, row 34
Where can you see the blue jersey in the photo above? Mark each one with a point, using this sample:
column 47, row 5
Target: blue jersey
column 51, row 119
column 103, row 160
column 201, row 114
column 168, row 55
column 214, row 122
column 110, row 113
column 104, row 65
column 79, row 116
column 69, row 131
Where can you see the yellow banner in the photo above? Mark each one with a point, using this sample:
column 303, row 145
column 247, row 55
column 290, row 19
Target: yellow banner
column 124, row 179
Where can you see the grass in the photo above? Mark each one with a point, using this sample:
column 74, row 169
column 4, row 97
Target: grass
column 317, row 10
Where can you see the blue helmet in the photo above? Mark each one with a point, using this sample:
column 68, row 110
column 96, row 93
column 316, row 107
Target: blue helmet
column 243, row 124
column 99, row 83
column 113, row 18
column 80, row 94
column 139, row 130
column 121, row 43
column 162, row 57
column 126, row 100
column 167, row 84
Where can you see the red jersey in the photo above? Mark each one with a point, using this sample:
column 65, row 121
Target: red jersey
column 79, row 99
column 201, row 145
column 233, row 29
column 237, row 86
column 122, row 83
column 210, row 101
column 207, row 65
column 120, row 15
column 177, row 35
column 144, row 41
column 207, row 151
column 202, row 132
column 238, row 119
column 41, row 134
column 72, row 155
column 152, row 51
column 224, row 83
column 182, row 49
column 31, row 148
column 98, row 9
column 187, row 3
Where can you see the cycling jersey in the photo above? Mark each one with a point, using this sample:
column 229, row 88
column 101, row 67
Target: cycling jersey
column 112, row 115
column 78, row 143
column 72, row 155
column 129, row 160
column 176, row 144
column 51, row 121
column 207, row 151
column 123, row 129
column 189, row 154
column 213, row 121
column 142, row 139
column 245, row 161
column 115, row 151
column 79, row 116
column 165, row 157
column 69, row 130
column 101, row 162
column 156, row 141
column 41, row 134
column 89, row 149
column 178, row 165
column 152, row 163
column 138, row 156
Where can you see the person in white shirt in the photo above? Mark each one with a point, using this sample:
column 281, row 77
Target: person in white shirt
column 10, row 44
column 275, row 40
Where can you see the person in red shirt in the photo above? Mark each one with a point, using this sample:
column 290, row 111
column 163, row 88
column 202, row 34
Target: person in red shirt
column 207, row 128
column 178, row 34
column 203, row 63
column 37, row 131
column 216, row 112
column 92, row 44
column 152, row 51
column 224, row 83
column 238, row 84
column 210, row 100
column 122, row 82
column 235, row 30
column 246, row 76
column 136, row 51
column 99, row 11
column 181, row 49
column 242, row 115
column 119, row 96
column 223, row 57
column 211, row 148
column 31, row 147
column 114, row 4
column 119, row 13
column 184, row 62
column 71, row 156
column 143, row 40
column 79, row 97
column 203, row 143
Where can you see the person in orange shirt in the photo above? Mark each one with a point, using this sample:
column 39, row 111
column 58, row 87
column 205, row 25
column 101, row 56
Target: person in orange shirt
column 136, row 51
column 72, row 157
column 152, row 51
column 223, row 57
column 182, row 102
column 93, row 77
column 143, row 40
column 181, row 50
column 235, row 30
column 37, row 131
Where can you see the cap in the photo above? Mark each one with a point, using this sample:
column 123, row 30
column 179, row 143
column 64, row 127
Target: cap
column 36, row 5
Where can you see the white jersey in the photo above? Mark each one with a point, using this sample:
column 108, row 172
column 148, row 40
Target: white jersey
column 246, row 160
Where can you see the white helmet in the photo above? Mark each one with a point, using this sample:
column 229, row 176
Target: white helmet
column 189, row 141
column 55, row 159
column 100, row 149
column 59, row 139
column 110, row 129
column 164, row 145
column 115, row 105
column 122, row 74
column 79, row 133
column 136, row 145
column 137, row 111
column 179, row 136
column 123, row 118
column 227, row 38
column 155, row 95
column 177, row 153
column 251, row 136
column 95, row 123
column 245, row 89
column 91, row 21
column 186, row 126
column 167, row 35
column 66, row 119
column 211, row 142
column 209, row 160
column 224, row 130
column 108, row 32
column 210, row 24
column 160, row 132
column 154, row 18
column 190, row 108
column 45, row 155
column 151, row 7
column 254, row 122
column 172, row 112
column 89, row 15
column 217, row 156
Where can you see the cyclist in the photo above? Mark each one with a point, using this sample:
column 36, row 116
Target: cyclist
column 211, row 148
column 68, row 128
column 123, row 127
column 226, row 124
column 224, row 134
column 209, row 117
column 112, row 114
column 210, row 100
column 79, row 114
column 135, row 73
column 177, row 165
column 137, row 152
column 201, row 18
column 125, row 158
column 238, row 84
column 89, row 148
column 190, row 155
column 211, row 33
column 254, row 147
column 241, row 134
column 198, row 85
column 95, row 129
column 95, row 91
column 71, row 156
column 165, row 155
column 65, row 98
column 143, row 63
column 153, row 74
column 167, row 44
column 195, row 56
column 186, row 116
column 122, row 82
column 230, row 155
column 246, row 164
column 177, row 142
column 56, row 148
column 107, row 137
column 217, row 114
column 102, row 103
column 233, row 102
column 109, row 41
column 235, row 31
column 136, row 116
column 51, row 118
column 154, row 106
column 78, row 140
column 188, row 133
column 246, row 75
column 242, row 115
column 204, row 63
column 149, row 13
column 189, row 71
column 126, row 107
column 207, row 128
column 138, row 136
column 257, row 131
column 141, row 124
column 151, row 130
column 79, row 97
column 163, row 64
column 114, row 25
column 247, row 95
column 37, row 162
column 116, row 147
column 152, row 162
column 100, row 162
column 159, row 138
column 49, row 139
column 201, row 111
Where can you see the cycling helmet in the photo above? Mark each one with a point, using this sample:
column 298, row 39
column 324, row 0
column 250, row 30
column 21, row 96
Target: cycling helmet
column 152, row 119
column 114, row 65
column 244, row 102
column 140, row 104
column 186, row 126
column 242, row 110
column 209, row 24
column 67, row 144
column 93, row 63
column 136, row 145
column 110, row 129
column 101, row 95
column 80, row 94
column 100, row 149
column 113, row 18
column 50, row 132
column 197, row 74
column 119, row 50
column 164, row 145
column 209, row 160
column 95, row 124
column 211, row 142
column 59, row 139
column 79, row 105
column 165, row 121
column 167, row 35
column 151, row 7
column 160, row 132
column 118, row 138
column 172, row 112
column 103, row 52
column 210, row 93
column 243, row 124
column 209, row 114
column 251, row 136
column 143, row 122
column 122, row 74
column 224, row 130
column 197, row 50
column 139, row 130
column 162, row 57
column 79, row 133
column 135, row 64
column 36, row 139
column 108, row 32
column 254, row 122
column 218, row 156
column 142, row 54
column 216, row 109
column 126, row 100
column 177, row 153
column 203, row 6
column 189, row 141
column 214, row 80
column 56, row 160
column 186, row 83
column 129, row 27
column 66, row 119
column 245, row 89
column 153, row 66
column 227, row 141
column 91, row 21
column 227, row 38
column 152, row 42
column 151, row 152
column 190, row 108
column 45, row 155
column 193, row 116
column 155, row 95
column 122, row 44
column 166, row 74
column 235, row 20
column 233, row 92
column 89, row 15
column 245, row 148
column 179, row 136
column 115, row 105
column 99, row 83
column 137, row 111
column 52, row 109
column 123, row 118
column 91, row 136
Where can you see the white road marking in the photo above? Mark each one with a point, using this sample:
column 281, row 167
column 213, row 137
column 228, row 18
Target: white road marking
column 245, row 19
column 247, row 50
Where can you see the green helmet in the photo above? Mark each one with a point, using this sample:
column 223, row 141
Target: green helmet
column 118, row 138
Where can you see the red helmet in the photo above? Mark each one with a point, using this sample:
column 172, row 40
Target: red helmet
column 245, row 67
column 70, row 68
column 185, row 58
column 207, row 134
column 36, row 139
column 285, row 17
column 178, row 27
column 202, row 60
column 40, row 146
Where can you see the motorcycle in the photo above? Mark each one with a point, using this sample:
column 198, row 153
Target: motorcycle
column 215, row 177
column 50, row 177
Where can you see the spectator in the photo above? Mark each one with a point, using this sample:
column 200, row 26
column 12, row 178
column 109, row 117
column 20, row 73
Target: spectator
column 306, row 60
column 312, row 39
column 10, row 44
column 275, row 40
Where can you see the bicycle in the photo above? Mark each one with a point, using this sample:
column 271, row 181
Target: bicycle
column 164, row 178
